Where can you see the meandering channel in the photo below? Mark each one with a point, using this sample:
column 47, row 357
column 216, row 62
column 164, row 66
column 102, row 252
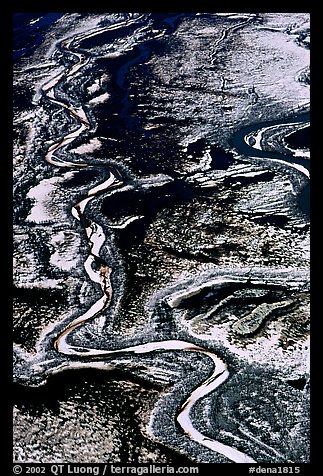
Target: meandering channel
column 240, row 141
column 99, row 271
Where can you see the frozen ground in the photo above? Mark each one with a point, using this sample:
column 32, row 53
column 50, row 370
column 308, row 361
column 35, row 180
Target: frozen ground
column 206, row 244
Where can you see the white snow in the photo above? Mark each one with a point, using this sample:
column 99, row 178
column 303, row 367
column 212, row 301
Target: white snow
column 265, row 350
column 127, row 221
column 43, row 284
column 95, row 87
column 97, row 239
column 66, row 254
column 99, row 99
column 41, row 195
column 102, row 186
column 32, row 22
column 175, row 299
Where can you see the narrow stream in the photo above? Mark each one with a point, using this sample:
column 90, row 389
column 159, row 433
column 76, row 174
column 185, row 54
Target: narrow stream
column 96, row 238
column 98, row 270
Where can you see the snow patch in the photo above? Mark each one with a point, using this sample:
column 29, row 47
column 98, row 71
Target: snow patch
column 95, row 87
column 66, row 245
column 43, row 195
column 99, row 99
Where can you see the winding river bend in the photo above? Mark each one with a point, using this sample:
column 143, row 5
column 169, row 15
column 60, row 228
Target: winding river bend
column 96, row 238
column 240, row 141
column 99, row 271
